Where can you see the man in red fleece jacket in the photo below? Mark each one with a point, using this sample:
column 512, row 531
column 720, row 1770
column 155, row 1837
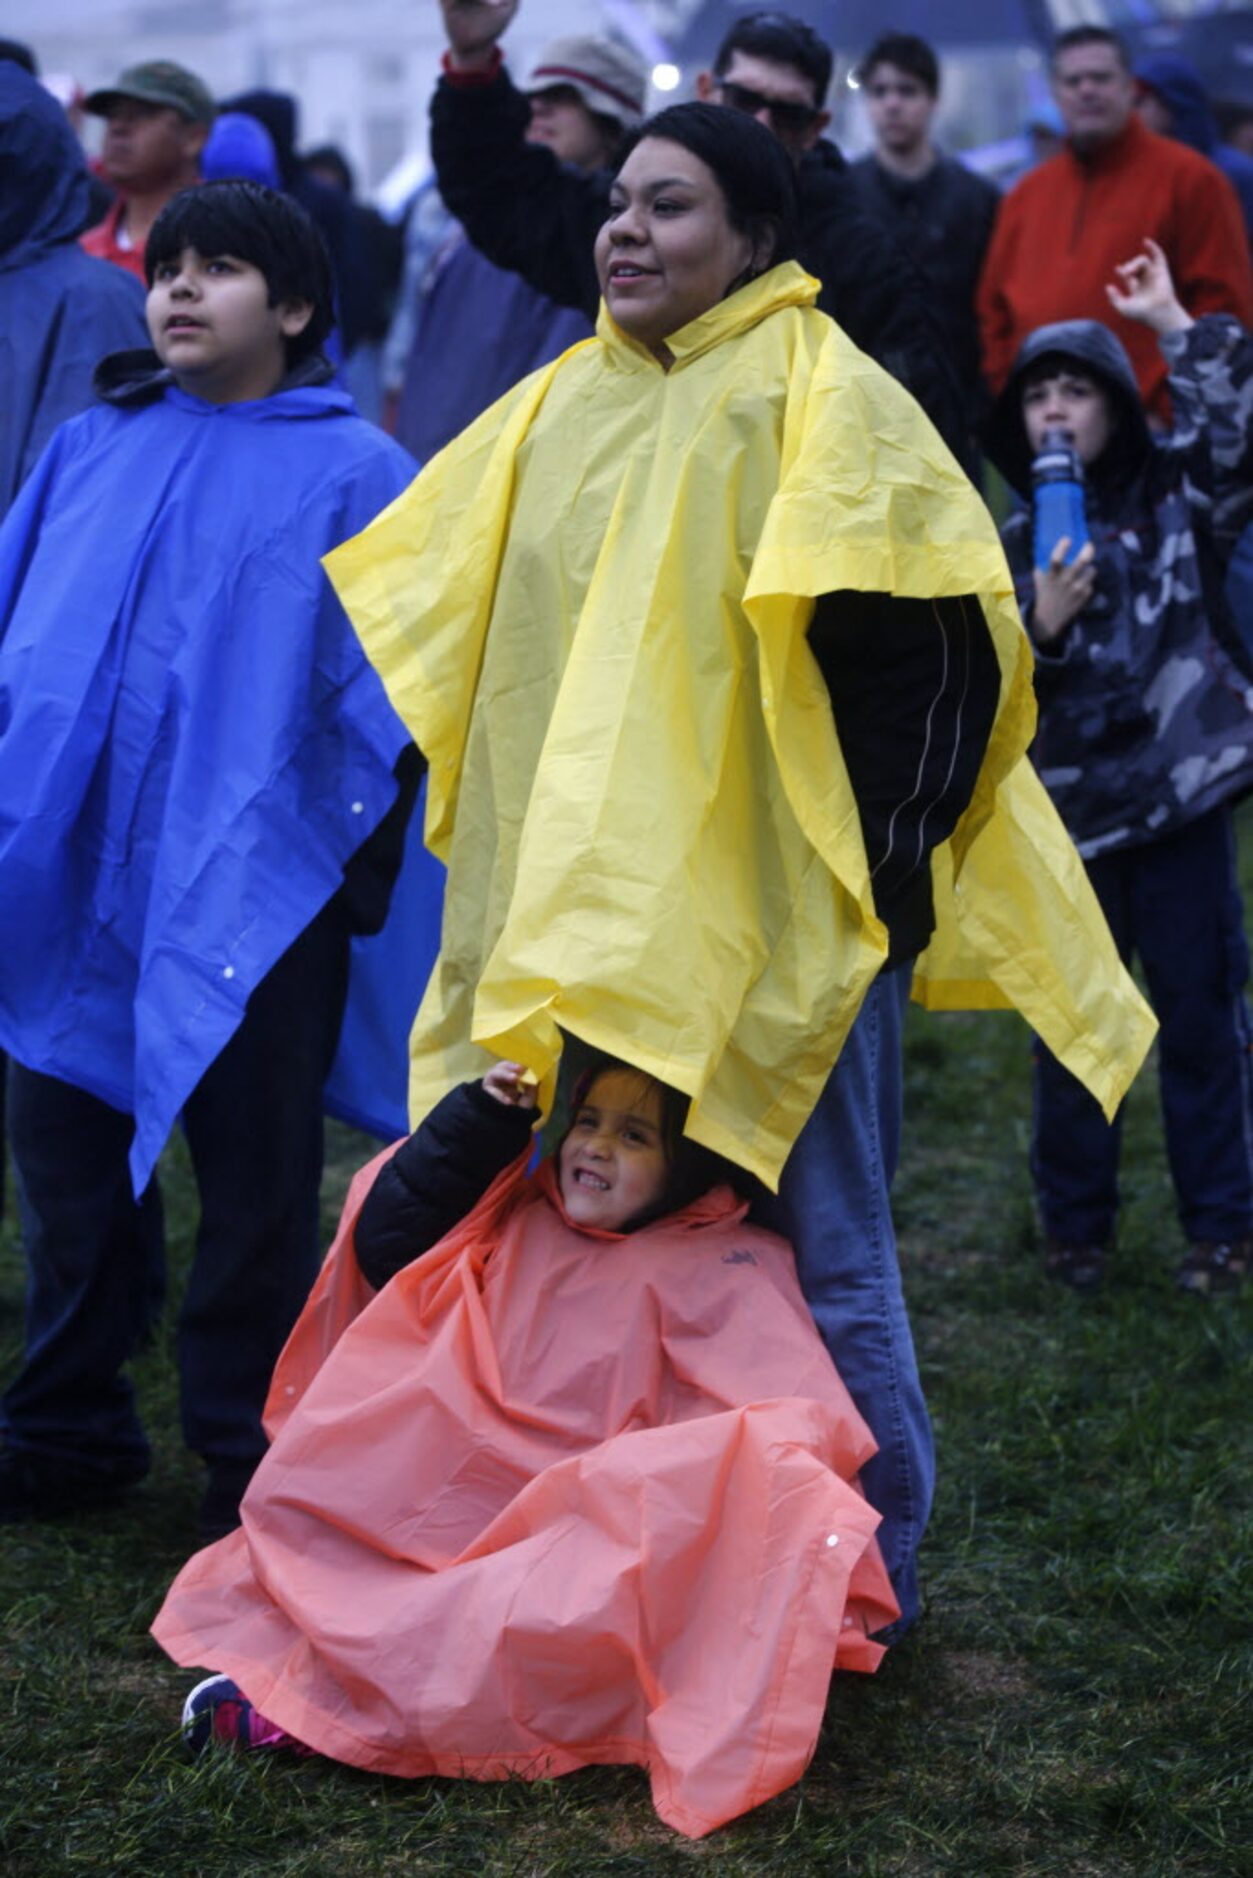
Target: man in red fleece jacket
column 1063, row 229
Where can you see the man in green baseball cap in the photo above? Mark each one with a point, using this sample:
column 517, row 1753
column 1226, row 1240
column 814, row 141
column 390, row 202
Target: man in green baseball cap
column 157, row 116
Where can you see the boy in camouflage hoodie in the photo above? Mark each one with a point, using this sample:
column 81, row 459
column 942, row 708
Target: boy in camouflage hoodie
column 1145, row 741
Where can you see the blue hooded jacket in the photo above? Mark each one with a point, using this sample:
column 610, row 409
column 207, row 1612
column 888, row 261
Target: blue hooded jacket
column 1178, row 84
column 60, row 309
column 192, row 741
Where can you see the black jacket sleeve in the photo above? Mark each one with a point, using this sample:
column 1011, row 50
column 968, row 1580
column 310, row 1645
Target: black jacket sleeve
column 914, row 687
column 872, row 288
column 520, row 207
column 370, row 874
column 434, row 1178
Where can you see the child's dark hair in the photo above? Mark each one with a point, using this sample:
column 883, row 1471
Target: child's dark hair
column 691, row 1170
column 258, row 225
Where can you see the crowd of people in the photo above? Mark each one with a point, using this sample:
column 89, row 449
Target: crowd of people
column 598, row 568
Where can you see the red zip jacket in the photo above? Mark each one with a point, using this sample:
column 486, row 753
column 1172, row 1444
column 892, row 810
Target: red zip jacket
column 1061, row 231
column 102, row 241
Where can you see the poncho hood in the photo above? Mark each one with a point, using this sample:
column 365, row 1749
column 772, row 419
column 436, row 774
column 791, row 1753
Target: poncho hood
column 1178, row 84
column 44, row 201
column 240, row 145
column 277, row 112
column 134, row 378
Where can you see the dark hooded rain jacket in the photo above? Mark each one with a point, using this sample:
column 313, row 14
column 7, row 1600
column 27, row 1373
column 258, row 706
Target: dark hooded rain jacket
column 60, row 310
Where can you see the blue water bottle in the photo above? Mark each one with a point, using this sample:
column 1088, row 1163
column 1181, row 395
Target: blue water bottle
column 1057, row 497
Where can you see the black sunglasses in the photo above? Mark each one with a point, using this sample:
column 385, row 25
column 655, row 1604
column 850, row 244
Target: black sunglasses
column 788, row 119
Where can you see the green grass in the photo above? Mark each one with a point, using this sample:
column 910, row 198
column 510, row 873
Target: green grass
column 1075, row 1701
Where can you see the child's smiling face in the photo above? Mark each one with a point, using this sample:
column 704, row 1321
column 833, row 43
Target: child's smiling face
column 212, row 324
column 612, row 1164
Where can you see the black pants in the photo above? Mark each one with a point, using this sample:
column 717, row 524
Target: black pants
column 1175, row 904
column 254, row 1128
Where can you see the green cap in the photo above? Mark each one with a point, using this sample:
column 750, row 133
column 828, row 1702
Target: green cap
column 158, row 81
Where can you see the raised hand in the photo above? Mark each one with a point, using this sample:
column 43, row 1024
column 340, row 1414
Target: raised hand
column 1144, row 291
column 504, row 1081
column 473, row 27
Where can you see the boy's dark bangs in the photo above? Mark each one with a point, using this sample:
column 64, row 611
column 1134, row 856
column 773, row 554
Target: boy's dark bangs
column 213, row 223
column 1049, row 364
column 262, row 227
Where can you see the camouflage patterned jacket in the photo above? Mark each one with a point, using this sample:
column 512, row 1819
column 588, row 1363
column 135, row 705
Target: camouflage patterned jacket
column 1146, row 720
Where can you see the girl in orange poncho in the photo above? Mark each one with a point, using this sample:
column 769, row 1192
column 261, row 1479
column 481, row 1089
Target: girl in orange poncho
column 576, row 1486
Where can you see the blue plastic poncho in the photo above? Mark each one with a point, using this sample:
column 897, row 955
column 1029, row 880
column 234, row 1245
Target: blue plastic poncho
column 192, row 742
column 60, row 309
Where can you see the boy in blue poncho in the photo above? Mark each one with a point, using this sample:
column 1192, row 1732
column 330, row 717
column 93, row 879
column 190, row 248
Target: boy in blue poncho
column 203, row 792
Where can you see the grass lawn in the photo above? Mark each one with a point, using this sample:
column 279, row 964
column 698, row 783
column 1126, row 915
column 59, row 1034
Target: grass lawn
column 1075, row 1701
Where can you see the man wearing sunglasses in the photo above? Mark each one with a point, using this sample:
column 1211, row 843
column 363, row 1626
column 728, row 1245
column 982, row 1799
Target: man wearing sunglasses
column 777, row 70
column 534, row 216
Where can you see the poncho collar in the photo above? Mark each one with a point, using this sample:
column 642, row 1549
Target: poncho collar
column 783, row 286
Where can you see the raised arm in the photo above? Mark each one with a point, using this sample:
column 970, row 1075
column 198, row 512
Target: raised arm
column 519, row 205
column 444, row 1169
column 1211, row 386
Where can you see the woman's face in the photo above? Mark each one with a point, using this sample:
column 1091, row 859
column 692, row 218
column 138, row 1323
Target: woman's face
column 667, row 251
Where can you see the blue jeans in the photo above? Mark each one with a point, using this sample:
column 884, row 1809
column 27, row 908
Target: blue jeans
column 834, row 1206
column 1175, row 904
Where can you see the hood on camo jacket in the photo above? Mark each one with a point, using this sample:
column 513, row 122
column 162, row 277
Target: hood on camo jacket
column 1146, row 709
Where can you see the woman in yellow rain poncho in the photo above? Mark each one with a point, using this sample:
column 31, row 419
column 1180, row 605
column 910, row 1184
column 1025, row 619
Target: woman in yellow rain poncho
column 713, row 653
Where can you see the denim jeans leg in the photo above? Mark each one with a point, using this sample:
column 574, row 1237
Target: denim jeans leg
column 90, row 1249
column 834, row 1206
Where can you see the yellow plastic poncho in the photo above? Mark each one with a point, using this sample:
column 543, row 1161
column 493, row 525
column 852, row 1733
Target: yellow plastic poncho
column 591, row 612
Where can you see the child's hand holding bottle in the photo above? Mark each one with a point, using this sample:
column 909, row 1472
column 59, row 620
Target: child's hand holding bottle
column 1062, row 590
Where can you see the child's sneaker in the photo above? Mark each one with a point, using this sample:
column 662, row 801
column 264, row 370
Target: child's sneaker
column 218, row 1710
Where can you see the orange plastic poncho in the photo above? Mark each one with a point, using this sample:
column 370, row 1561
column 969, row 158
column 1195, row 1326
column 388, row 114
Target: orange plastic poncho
column 554, row 1499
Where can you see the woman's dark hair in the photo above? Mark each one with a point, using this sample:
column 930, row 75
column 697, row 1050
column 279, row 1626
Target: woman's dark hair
column 691, row 1170
column 258, row 225
column 748, row 162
